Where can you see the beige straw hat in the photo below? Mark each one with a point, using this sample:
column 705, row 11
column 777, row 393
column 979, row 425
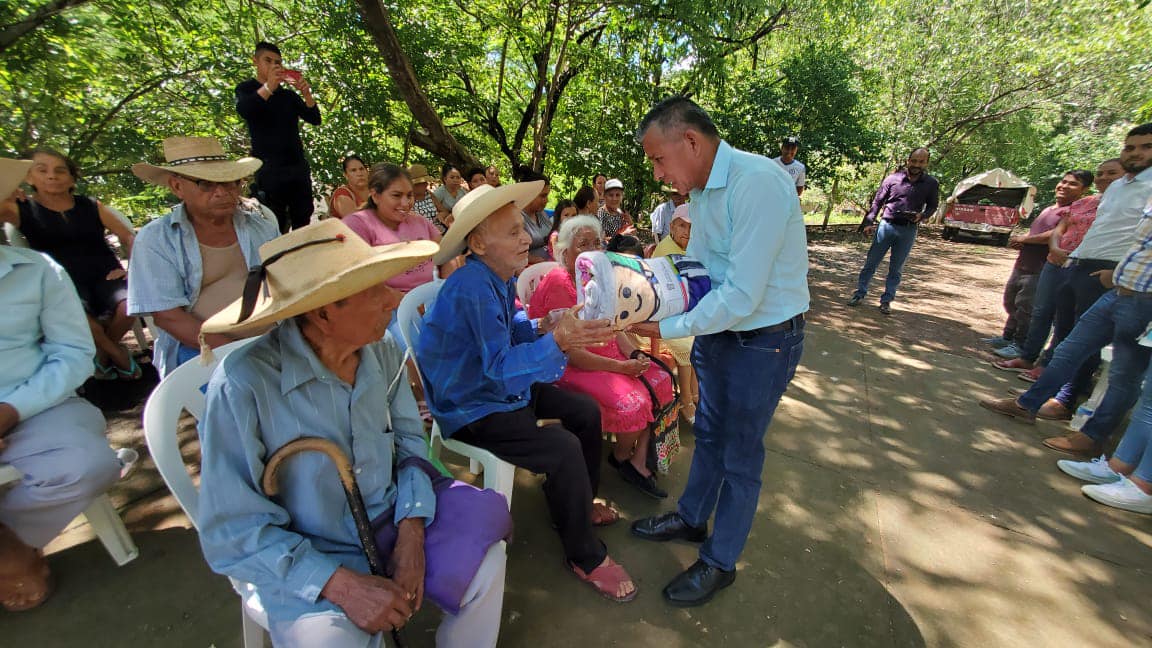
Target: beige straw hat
column 12, row 173
column 475, row 206
column 309, row 268
column 201, row 158
column 418, row 173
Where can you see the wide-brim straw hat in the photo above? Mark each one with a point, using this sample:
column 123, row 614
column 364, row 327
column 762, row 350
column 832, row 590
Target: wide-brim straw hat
column 475, row 206
column 12, row 173
column 201, row 158
column 418, row 173
column 309, row 268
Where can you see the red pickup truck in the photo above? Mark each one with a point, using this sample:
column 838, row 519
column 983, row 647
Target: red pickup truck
column 988, row 204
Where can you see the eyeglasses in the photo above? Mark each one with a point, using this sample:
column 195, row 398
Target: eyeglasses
column 588, row 245
column 208, row 186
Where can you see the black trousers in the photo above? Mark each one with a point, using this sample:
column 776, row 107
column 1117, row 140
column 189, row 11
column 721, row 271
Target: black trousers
column 287, row 191
column 567, row 454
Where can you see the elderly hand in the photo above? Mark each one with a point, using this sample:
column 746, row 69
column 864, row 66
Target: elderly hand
column 574, row 333
column 406, row 564
column 646, row 329
column 373, row 603
column 635, row 368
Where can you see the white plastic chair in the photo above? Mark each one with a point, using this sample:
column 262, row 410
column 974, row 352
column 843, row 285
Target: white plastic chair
column 530, row 278
column 499, row 475
column 177, row 393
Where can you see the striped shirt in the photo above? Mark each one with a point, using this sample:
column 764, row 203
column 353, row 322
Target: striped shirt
column 1135, row 271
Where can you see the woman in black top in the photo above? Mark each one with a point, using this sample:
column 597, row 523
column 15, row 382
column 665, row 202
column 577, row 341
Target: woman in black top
column 70, row 228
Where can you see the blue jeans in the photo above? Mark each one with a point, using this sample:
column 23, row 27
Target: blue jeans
column 1051, row 294
column 1114, row 319
column 741, row 383
column 899, row 239
column 1136, row 446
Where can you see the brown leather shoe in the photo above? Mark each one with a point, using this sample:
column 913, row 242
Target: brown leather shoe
column 1015, row 364
column 1054, row 410
column 1009, row 407
column 1075, row 443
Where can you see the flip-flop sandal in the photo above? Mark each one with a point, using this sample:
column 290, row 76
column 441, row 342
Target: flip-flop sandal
column 101, row 372
column 613, row 516
column 134, row 372
column 33, row 584
column 607, row 579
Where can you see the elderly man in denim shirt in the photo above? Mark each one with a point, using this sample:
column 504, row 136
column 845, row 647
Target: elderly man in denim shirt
column 53, row 438
column 748, row 232
column 191, row 262
column 328, row 371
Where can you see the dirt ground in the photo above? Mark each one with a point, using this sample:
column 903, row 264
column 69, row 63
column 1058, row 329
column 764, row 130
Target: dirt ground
column 953, row 290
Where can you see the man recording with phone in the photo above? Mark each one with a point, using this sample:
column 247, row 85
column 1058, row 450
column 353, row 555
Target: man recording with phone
column 273, row 111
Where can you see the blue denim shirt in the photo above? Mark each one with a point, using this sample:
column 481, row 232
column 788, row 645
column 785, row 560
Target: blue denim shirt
column 748, row 232
column 273, row 391
column 45, row 345
column 166, row 268
column 478, row 353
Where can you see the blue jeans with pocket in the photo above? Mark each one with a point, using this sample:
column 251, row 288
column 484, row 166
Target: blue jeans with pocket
column 1136, row 446
column 899, row 239
column 1114, row 319
column 741, row 383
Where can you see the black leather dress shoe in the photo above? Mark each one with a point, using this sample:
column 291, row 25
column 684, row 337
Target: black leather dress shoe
column 697, row 585
column 669, row 526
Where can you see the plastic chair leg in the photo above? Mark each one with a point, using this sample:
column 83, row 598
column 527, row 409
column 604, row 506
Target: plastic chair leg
column 108, row 526
column 252, row 633
column 138, row 332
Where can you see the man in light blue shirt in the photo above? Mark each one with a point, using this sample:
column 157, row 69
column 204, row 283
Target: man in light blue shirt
column 193, row 260
column 53, row 438
column 748, row 232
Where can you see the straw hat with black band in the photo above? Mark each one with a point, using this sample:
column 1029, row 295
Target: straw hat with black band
column 477, row 205
column 12, row 173
column 199, row 158
column 308, row 268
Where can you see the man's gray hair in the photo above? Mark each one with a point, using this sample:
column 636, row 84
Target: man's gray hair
column 568, row 231
column 677, row 113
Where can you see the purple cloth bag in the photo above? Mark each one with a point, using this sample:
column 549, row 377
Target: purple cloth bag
column 468, row 521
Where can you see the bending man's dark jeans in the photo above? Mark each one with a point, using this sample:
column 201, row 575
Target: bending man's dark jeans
column 567, row 454
column 1115, row 319
column 741, row 382
column 1019, row 302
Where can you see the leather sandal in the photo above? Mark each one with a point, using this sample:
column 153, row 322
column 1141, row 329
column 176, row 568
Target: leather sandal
column 607, row 578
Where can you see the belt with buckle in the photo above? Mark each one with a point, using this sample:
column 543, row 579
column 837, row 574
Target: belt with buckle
column 789, row 325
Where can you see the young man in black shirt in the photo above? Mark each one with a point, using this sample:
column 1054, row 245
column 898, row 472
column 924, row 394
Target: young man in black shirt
column 284, row 182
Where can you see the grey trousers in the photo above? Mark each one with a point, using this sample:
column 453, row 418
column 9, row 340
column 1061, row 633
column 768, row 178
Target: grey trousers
column 66, row 463
column 477, row 625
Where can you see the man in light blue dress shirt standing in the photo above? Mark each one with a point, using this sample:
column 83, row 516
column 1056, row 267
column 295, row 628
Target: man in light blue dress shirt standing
column 748, row 232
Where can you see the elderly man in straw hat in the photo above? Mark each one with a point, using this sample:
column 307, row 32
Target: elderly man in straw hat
column 192, row 262
column 53, row 438
column 327, row 370
column 487, row 372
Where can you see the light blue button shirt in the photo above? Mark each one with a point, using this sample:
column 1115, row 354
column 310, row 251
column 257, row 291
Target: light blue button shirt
column 748, row 232
column 273, row 391
column 46, row 346
column 166, row 268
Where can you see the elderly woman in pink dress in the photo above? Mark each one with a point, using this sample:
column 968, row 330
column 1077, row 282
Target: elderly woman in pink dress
column 607, row 374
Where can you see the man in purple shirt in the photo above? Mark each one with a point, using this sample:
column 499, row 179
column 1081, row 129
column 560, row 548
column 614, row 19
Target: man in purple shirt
column 905, row 198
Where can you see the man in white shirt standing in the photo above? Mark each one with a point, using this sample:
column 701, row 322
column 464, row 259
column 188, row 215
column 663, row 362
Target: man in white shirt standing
column 787, row 160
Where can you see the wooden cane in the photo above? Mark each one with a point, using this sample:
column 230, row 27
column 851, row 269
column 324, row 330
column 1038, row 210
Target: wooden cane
column 351, row 492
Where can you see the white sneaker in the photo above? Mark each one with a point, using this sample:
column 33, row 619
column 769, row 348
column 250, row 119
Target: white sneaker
column 1096, row 471
column 1122, row 495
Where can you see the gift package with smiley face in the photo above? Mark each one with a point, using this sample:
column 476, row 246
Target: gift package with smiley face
column 628, row 289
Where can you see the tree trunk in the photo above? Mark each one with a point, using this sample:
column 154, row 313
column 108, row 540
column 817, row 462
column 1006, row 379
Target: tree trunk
column 17, row 30
column 432, row 136
column 833, row 196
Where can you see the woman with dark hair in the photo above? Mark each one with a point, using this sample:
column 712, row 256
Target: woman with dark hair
column 563, row 210
column 537, row 222
column 585, row 201
column 598, row 182
column 70, row 228
column 388, row 218
column 350, row 196
column 451, row 189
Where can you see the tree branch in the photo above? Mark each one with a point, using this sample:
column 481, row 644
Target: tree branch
column 13, row 32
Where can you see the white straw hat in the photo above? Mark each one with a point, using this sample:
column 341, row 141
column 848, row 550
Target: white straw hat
column 201, row 158
column 475, row 206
